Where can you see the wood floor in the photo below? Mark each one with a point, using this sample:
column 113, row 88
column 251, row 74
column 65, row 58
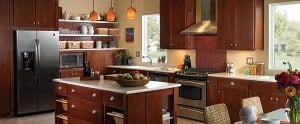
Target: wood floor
column 49, row 119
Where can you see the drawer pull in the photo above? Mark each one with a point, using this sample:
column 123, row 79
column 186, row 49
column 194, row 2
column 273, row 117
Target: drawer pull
column 59, row 88
column 232, row 83
column 112, row 98
column 73, row 106
column 94, row 95
column 114, row 71
column 94, row 112
column 271, row 98
column 73, row 91
column 276, row 99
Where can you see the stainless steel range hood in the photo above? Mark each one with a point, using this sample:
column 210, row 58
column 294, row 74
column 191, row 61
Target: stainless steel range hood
column 206, row 9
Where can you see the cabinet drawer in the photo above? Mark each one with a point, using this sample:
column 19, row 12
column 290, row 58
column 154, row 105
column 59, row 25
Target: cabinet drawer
column 113, row 99
column 233, row 83
column 74, row 120
column 60, row 88
column 84, row 109
column 85, row 93
column 113, row 71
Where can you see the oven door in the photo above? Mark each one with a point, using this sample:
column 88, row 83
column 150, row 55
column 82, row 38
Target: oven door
column 192, row 93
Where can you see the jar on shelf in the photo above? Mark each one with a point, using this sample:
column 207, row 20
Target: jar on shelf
column 90, row 29
column 84, row 29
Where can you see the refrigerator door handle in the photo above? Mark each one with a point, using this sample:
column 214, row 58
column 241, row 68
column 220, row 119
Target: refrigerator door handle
column 37, row 58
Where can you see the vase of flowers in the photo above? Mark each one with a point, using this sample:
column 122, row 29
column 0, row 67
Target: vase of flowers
column 289, row 84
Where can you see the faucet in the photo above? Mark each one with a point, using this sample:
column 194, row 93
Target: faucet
column 290, row 66
column 149, row 58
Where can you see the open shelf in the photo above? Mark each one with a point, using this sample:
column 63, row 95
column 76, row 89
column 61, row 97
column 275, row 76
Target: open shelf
column 85, row 21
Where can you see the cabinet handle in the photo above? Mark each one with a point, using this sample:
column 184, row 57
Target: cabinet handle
column 73, row 106
column 59, row 88
column 94, row 112
column 271, row 98
column 231, row 44
column 114, row 71
column 207, row 81
column 235, row 44
column 73, row 91
column 276, row 99
column 112, row 98
column 34, row 23
column 173, row 44
column 38, row 23
column 218, row 91
column 94, row 95
column 232, row 83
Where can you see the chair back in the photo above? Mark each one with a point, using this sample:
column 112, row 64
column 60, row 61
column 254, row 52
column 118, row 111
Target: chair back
column 253, row 101
column 217, row 114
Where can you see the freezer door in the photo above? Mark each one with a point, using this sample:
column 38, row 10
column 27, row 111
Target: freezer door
column 48, row 68
column 25, row 79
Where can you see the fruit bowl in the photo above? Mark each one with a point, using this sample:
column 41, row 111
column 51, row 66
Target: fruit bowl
column 132, row 83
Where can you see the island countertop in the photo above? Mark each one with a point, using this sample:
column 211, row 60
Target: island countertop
column 245, row 77
column 113, row 86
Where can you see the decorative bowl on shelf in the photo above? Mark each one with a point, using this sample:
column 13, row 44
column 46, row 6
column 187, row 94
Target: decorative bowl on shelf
column 132, row 83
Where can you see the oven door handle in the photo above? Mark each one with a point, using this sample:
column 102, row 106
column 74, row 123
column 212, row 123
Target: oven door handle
column 191, row 83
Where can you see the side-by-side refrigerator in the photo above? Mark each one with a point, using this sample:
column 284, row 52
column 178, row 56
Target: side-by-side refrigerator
column 36, row 64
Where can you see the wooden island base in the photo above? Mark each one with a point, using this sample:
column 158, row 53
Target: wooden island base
column 87, row 104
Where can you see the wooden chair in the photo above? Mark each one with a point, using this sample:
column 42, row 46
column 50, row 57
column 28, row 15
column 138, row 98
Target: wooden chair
column 255, row 101
column 216, row 114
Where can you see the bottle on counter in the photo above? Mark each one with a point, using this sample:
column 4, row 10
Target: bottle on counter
column 230, row 68
column 87, row 70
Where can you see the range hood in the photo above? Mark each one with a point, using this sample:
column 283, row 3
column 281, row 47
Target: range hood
column 206, row 9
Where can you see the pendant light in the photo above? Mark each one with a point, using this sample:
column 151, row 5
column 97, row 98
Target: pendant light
column 131, row 12
column 94, row 15
column 110, row 15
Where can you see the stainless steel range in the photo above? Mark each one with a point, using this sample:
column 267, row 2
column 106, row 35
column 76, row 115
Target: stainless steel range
column 192, row 93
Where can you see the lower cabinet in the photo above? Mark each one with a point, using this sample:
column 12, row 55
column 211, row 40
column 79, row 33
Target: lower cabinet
column 231, row 91
column 269, row 95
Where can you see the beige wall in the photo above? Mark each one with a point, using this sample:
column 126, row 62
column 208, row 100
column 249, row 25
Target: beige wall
column 78, row 7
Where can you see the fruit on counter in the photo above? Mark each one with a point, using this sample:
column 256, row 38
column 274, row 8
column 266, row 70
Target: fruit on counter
column 133, row 75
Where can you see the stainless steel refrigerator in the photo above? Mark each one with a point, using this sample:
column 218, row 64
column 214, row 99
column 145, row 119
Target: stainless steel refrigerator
column 36, row 64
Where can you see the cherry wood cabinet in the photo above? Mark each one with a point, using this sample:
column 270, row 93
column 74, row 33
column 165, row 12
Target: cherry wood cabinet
column 240, row 24
column 72, row 72
column 231, row 92
column 175, row 16
column 6, row 64
column 35, row 14
column 90, row 106
column 269, row 95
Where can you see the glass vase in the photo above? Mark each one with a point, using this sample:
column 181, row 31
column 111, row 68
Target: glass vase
column 294, row 105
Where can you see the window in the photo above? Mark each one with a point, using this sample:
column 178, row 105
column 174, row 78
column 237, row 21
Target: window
column 151, row 38
column 284, row 34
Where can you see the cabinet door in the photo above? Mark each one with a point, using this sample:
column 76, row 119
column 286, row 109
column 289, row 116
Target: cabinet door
column 47, row 14
column 24, row 14
column 165, row 23
column 183, row 16
column 5, row 84
column 96, row 59
column 244, row 24
column 225, row 23
column 212, row 91
column 113, row 71
column 231, row 92
column 267, row 100
column 280, row 101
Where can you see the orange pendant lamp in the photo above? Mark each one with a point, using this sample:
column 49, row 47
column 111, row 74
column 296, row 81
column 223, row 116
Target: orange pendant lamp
column 111, row 15
column 131, row 12
column 94, row 15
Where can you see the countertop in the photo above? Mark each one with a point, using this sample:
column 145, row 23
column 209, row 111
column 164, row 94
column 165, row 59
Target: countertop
column 109, row 85
column 146, row 68
column 245, row 77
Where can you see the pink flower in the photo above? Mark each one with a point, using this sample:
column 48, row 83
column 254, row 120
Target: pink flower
column 284, row 77
column 294, row 79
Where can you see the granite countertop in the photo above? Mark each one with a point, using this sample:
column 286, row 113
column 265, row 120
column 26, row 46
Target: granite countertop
column 245, row 77
column 146, row 68
column 109, row 85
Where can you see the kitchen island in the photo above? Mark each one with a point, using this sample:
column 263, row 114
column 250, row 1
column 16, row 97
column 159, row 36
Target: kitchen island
column 105, row 101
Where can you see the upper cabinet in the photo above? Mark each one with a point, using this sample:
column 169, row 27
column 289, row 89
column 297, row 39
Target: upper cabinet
column 36, row 14
column 240, row 24
column 175, row 16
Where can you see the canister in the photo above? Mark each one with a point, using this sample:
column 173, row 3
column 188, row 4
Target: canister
column 253, row 69
column 99, row 44
column 260, row 68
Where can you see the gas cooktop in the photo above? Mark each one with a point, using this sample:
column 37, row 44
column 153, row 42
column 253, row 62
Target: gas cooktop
column 194, row 73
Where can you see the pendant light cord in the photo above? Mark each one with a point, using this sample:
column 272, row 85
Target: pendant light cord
column 111, row 4
column 93, row 4
column 131, row 4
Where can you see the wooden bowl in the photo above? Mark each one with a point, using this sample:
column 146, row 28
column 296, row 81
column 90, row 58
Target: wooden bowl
column 132, row 83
